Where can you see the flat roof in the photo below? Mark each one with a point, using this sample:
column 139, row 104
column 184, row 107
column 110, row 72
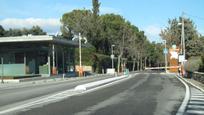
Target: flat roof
column 37, row 38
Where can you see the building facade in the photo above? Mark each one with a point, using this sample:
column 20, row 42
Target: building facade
column 36, row 55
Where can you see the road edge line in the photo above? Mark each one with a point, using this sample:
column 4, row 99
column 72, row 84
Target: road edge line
column 186, row 99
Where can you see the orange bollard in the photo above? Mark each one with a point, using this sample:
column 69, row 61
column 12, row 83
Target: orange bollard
column 54, row 70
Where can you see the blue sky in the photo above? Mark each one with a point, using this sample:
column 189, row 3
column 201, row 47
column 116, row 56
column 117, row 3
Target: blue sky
column 149, row 15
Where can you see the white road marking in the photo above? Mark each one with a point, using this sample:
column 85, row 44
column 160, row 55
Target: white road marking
column 48, row 99
column 198, row 95
column 197, row 112
column 195, row 106
column 183, row 106
column 197, row 99
column 55, row 97
column 196, row 102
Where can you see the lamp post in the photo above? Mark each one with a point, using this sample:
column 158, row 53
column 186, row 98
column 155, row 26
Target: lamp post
column 165, row 53
column 79, row 37
column 183, row 49
column 112, row 55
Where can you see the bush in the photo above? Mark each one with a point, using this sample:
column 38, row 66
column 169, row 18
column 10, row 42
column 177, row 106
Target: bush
column 193, row 64
column 201, row 68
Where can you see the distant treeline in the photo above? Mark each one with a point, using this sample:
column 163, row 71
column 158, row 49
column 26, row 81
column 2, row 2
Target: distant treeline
column 35, row 30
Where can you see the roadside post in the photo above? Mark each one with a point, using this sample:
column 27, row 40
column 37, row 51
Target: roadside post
column 165, row 51
column 2, row 69
column 112, row 55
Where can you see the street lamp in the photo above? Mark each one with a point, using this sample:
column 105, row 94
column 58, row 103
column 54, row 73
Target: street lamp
column 112, row 55
column 182, row 37
column 165, row 53
column 79, row 37
column 183, row 52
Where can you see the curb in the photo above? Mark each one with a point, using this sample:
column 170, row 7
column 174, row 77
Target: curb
column 182, row 108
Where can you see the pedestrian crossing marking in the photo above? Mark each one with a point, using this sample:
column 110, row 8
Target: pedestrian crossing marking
column 196, row 103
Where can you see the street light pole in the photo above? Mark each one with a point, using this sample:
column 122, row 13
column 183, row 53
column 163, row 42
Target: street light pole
column 183, row 37
column 80, row 50
column 165, row 57
column 183, row 49
column 79, row 37
column 112, row 56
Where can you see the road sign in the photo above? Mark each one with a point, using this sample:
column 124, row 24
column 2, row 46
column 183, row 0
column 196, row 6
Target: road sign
column 181, row 58
column 165, row 51
column 112, row 56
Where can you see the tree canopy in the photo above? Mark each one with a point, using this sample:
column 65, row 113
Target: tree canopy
column 102, row 31
column 35, row 30
column 172, row 34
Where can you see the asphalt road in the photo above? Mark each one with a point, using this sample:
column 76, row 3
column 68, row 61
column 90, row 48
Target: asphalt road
column 144, row 94
column 18, row 93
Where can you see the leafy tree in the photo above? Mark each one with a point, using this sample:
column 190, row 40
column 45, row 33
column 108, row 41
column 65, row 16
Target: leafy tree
column 95, row 9
column 195, row 47
column 104, row 30
column 172, row 33
column 36, row 30
column 13, row 32
column 75, row 22
column 2, row 31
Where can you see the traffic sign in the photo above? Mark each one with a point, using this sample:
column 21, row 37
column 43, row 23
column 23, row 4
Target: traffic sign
column 181, row 58
column 165, row 51
column 112, row 56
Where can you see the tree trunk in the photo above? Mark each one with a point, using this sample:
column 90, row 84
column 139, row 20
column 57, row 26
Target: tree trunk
column 138, row 62
column 119, row 57
column 149, row 62
column 141, row 64
column 133, row 67
column 145, row 63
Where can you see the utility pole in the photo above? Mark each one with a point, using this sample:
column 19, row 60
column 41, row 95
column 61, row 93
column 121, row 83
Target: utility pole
column 112, row 55
column 165, row 53
column 80, row 49
column 53, row 60
column 183, row 37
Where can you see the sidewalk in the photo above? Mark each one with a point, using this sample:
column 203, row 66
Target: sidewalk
column 195, row 83
column 47, row 80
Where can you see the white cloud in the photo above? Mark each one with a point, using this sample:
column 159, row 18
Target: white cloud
column 50, row 25
column 152, row 32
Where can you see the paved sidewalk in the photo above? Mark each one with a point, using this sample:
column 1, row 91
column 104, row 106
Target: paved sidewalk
column 47, row 80
column 195, row 83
